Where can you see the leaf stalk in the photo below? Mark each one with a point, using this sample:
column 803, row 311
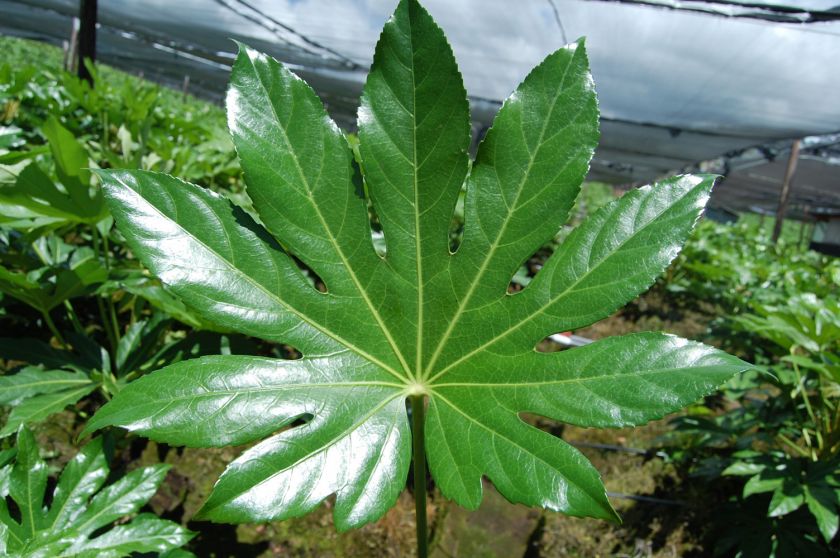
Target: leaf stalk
column 418, row 419
column 108, row 319
column 54, row 330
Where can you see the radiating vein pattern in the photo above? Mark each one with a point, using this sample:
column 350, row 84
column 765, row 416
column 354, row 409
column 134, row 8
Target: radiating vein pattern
column 609, row 259
column 525, row 179
column 422, row 321
column 197, row 257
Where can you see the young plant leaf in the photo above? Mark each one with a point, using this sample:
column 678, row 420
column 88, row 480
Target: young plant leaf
column 80, row 507
column 824, row 504
column 82, row 477
column 39, row 407
column 34, row 199
column 33, row 381
column 36, row 191
column 28, row 483
column 47, row 287
column 72, row 166
column 420, row 321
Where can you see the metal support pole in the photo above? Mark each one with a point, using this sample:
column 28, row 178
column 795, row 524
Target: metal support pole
column 784, row 195
column 87, row 37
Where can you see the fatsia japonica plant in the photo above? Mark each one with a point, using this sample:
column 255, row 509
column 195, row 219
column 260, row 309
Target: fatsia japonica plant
column 423, row 323
column 79, row 520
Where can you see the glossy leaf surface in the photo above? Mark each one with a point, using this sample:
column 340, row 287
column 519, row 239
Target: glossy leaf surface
column 80, row 508
column 420, row 320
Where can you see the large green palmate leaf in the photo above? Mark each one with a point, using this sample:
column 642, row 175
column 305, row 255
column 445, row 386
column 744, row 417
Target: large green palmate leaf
column 421, row 321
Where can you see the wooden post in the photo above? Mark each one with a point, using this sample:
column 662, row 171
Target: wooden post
column 72, row 47
column 65, row 50
column 87, row 37
column 784, row 195
column 802, row 225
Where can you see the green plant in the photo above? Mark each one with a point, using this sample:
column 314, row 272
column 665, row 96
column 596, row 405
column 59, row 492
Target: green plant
column 57, row 252
column 34, row 200
column 736, row 267
column 781, row 436
column 125, row 121
column 81, row 507
column 54, row 378
column 421, row 323
column 45, row 272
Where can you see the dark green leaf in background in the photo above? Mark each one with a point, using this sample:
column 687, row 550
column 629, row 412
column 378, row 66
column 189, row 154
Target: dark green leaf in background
column 47, row 287
column 80, row 508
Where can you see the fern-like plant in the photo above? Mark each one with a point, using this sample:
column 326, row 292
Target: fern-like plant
column 424, row 324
